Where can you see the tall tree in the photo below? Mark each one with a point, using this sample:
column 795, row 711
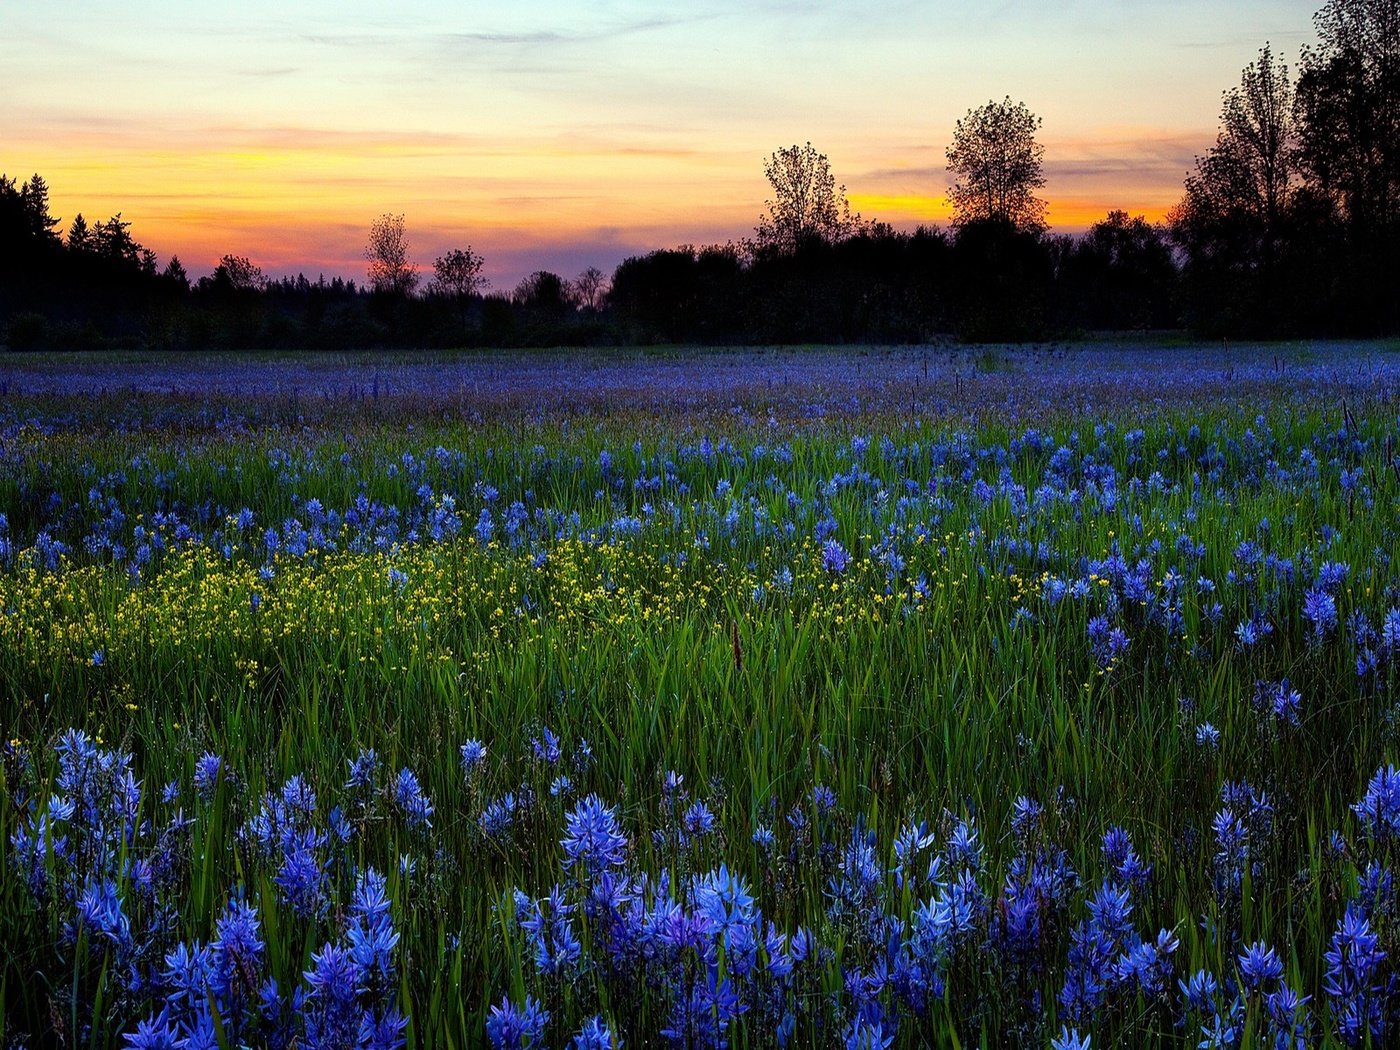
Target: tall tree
column 543, row 296
column 1257, row 126
column 1243, row 182
column 588, row 289
column 42, row 225
column 997, row 167
column 1232, row 223
column 457, row 276
column 1348, row 109
column 79, row 236
column 1119, row 275
column 390, row 270
column 175, row 275
column 806, row 206
column 236, row 273
column 112, row 240
column 26, row 227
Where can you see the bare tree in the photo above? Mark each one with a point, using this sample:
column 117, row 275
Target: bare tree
column 457, row 276
column 996, row 163
column 589, row 289
column 806, row 204
column 390, row 270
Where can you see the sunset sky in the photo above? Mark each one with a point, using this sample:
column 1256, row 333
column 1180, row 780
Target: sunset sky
column 558, row 135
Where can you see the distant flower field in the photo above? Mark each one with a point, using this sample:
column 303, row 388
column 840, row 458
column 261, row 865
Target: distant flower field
column 728, row 698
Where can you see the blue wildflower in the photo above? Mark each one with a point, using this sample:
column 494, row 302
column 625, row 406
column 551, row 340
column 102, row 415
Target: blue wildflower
column 1320, row 610
column 362, row 769
column 835, row 558
column 1070, row 1039
column 473, row 754
column 592, row 838
column 1354, row 981
column 1259, row 965
column 512, row 1028
column 415, row 806
column 1379, row 808
column 206, row 775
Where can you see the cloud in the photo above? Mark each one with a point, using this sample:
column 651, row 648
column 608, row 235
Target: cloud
column 268, row 71
column 453, row 43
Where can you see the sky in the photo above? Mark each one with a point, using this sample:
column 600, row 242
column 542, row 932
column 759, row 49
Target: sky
column 556, row 134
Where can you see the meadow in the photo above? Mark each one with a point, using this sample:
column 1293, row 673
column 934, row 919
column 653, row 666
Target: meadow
column 717, row 697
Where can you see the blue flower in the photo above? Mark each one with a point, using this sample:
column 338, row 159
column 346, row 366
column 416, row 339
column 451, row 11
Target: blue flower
column 698, row 821
column 300, row 878
column 1200, row 990
column 1320, row 610
column 724, row 899
column 835, row 558
column 499, row 815
column 155, row 1033
column 551, row 935
column 206, row 775
column 592, row 838
column 473, row 754
column 1390, row 632
column 1070, row 1039
column 1286, row 1019
column 362, row 769
column 864, row 1034
column 372, row 937
column 512, row 1028
column 1379, row 808
column 594, row 1035
column 1259, row 965
column 546, row 746
column 1354, row 981
column 415, row 806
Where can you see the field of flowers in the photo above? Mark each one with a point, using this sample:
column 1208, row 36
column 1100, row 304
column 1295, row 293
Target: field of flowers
column 711, row 698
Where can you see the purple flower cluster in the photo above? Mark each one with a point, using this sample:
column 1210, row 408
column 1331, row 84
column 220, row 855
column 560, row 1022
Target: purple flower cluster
column 903, row 938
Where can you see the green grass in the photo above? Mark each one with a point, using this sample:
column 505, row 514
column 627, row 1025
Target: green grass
column 906, row 708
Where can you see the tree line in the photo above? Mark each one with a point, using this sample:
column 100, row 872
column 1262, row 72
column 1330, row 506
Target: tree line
column 1289, row 224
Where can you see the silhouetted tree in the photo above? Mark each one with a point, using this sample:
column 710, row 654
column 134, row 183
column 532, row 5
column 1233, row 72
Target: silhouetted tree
column 237, row 274
column 1348, row 113
column 996, row 163
column 390, row 271
column 543, row 300
column 34, row 195
column 457, row 276
column 1119, row 275
column 588, row 290
column 806, row 204
column 79, row 236
column 112, row 241
column 1231, row 221
column 175, row 274
column 1003, row 280
column 680, row 294
column 1349, row 108
column 1244, row 179
column 26, row 227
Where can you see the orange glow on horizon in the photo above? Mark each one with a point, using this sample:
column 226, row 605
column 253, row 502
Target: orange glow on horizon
column 301, row 200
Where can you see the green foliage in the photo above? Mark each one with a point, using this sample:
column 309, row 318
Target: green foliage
column 904, row 707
